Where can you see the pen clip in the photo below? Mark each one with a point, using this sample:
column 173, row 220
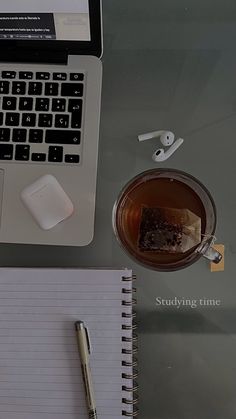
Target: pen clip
column 88, row 340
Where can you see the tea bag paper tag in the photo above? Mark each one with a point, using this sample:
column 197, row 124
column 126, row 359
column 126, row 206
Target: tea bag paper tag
column 218, row 267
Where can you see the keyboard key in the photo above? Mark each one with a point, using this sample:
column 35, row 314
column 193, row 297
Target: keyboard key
column 18, row 88
column 58, row 105
column 35, row 88
column 42, row 104
column 9, row 103
column 4, row 87
column 72, row 158
column 76, row 120
column 75, row 105
column 35, row 136
column 72, row 89
column 12, row 119
column 51, row 89
column 26, row 104
column 5, row 134
column 8, row 74
column 25, row 75
column 38, row 157
column 55, row 154
column 42, row 76
column 76, row 76
column 45, row 120
column 28, row 120
column 1, row 118
column 6, row 151
column 19, row 135
column 61, row 121
column 22, row 152
column 59, row 76
column 62, row 137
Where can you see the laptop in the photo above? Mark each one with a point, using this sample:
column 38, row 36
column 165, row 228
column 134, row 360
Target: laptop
column 50, row 91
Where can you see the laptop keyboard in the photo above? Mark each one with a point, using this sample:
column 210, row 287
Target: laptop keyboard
column 41, row 116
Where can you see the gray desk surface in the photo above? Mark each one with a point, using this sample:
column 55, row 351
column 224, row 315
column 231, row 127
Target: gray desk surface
column 169, row 64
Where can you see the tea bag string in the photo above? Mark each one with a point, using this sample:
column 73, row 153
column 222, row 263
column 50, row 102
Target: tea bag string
column 209, row 237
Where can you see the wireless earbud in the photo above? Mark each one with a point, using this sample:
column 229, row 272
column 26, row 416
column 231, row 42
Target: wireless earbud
column 161, row 155
column 167, row 139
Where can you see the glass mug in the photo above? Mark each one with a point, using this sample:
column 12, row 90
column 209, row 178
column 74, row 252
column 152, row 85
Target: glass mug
column 164, row 188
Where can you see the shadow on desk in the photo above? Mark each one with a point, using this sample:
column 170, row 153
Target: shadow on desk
column 212, row 320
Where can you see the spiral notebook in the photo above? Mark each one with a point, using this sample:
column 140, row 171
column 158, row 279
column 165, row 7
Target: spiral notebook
column 40, row 373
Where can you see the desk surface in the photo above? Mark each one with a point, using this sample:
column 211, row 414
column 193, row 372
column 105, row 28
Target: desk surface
column 169, row 64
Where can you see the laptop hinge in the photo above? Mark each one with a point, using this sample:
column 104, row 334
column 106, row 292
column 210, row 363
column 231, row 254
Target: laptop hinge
column 33, row 56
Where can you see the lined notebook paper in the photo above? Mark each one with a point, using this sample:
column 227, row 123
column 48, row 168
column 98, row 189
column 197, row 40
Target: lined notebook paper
column 40, row 375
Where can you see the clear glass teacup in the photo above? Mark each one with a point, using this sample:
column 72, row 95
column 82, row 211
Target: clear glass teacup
column 147, row 238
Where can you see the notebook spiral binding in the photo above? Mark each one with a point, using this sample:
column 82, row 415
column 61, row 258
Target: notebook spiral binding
column 133, row 391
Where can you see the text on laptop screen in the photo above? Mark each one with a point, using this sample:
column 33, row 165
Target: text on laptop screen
column 63, row 20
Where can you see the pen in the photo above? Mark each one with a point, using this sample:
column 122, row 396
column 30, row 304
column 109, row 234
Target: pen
column 84, row 351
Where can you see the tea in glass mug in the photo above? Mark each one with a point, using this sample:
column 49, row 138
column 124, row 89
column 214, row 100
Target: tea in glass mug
column 166, row 219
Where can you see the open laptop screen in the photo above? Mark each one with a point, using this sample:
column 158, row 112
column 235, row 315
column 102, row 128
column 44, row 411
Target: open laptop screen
column 61, row 20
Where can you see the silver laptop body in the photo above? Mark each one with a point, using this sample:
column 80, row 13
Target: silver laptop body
column 33, row 144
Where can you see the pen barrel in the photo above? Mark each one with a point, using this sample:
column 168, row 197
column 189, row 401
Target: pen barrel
column 88, row 385
column 83, row 347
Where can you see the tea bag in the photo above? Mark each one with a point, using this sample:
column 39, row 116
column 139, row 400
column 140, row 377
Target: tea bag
column 169, row 230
